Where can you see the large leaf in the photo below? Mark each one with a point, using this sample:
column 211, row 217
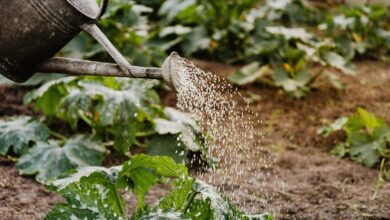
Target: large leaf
column 127, row 113
column 199, row 200
column 336, row 60
column 248, row 74
column 90, row 193
column 189, row 132
column 171, row 8
column 220, row 206
column 118, row 109
column 74, row 105
column 182, row 198
column 167, row 145
column 197, row 40
column 18, row 133
column 363, row 121
column 50, row 159
column 369, row 148
column 49, row 95
column 137, row 174
column 179, row 195
column 295, row 86
column 179, row 136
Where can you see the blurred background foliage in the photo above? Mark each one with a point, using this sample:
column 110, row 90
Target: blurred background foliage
column 279, row 41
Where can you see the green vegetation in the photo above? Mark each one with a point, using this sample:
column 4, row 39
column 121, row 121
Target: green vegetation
column 283, row 43
column 360, row 31
column 368, row 138
column 80, row 120
column 280, row 41
column 94, row 193
column 122, row 113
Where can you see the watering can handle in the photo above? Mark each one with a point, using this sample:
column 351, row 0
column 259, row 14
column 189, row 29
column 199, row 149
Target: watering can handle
column 103, row 7
column 98, row 35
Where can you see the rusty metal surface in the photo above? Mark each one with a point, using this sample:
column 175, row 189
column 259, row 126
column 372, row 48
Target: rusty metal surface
column 32, row 31
column 94, row 68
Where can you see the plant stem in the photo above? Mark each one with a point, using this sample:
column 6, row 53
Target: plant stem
column 118, row 201
column 85, row 118
column 318, row 74
column 57, row 135
column 379, row 180
column 189, row 201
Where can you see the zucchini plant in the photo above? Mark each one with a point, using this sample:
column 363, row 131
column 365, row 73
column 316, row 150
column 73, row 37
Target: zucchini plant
column 96, row 193
column 98, row 113
column 360, row 31
column 368, row 137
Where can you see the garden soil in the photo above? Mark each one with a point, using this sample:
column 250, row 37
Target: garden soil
column 316, row 185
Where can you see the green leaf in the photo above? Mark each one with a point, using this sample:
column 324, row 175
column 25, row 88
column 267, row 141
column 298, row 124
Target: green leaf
column 177, row 29
column 367, row 148
column 197, row 40
column 18, row 133
column 336, row 60
column 221, row 207
column 163, row 166
column 189, row 132
column 167, row 145
column 126, row 113
column 368, row 138
column 75, row 104
column 293, row 86
column 368, row 154
column 171, row 8
column 336, row 81
column 290, row 33
column 337, row 125
column 177, row 198
column 340, row 150
column 162, row 215
column 49, row 159
column 90, row 193
column 363, row 120
column 119, row 109
column 143, row 171
column 48, row 97
column 248, row 74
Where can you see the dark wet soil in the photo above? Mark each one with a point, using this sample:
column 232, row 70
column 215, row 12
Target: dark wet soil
column 316, row 185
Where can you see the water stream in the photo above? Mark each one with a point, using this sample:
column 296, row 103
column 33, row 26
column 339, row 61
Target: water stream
column 245, row 166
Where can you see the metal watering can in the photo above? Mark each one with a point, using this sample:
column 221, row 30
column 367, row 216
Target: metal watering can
column 32, row 31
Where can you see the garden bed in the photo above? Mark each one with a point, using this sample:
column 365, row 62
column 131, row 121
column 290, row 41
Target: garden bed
column 316, row 184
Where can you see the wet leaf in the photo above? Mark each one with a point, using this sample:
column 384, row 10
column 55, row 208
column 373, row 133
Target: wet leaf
column 163, row 215
column 182, row 124
column 48, row 97
column 50, row 159
column 90, row 193
column 167, row 145
column 19, row 132
column 142, row 172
